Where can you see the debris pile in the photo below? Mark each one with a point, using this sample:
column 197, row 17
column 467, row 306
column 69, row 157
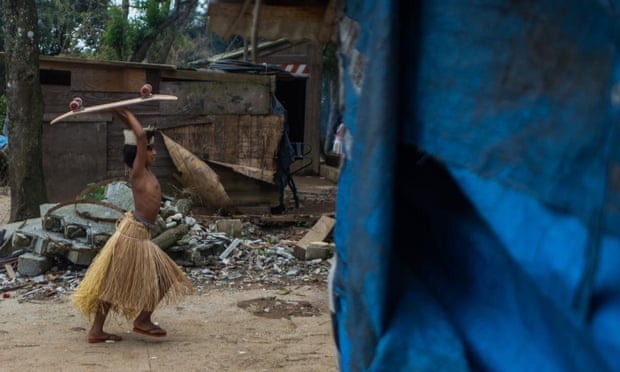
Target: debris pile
column 46, row 258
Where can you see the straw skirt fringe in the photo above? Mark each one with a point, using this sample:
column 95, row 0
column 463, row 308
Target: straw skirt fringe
column 130, row 273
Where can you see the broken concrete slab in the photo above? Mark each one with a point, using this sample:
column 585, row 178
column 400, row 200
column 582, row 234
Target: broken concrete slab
column 7, row 248
column 49, row 243
column 119, row 194
column 96, row 217
column 75, row 230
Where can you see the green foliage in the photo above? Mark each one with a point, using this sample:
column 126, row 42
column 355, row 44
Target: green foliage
column 71, row 27
column 156, row 12
column 125, row 35
column 98, row 29
column 97, row 192
column 114, row 45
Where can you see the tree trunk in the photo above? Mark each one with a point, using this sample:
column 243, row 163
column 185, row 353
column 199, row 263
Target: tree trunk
column 122, row 47
column 159, row 52
column 25, row 109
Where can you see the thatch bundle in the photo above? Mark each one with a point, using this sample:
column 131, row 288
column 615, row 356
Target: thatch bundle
column 197, row 178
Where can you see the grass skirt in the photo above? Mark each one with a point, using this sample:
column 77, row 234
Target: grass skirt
column 130, row 273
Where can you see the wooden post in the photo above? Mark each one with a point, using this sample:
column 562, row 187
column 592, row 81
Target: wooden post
column 255, row 19
column 312, row 120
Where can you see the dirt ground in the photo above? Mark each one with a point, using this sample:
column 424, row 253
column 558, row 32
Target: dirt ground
column 233, row 328
column 206, row 332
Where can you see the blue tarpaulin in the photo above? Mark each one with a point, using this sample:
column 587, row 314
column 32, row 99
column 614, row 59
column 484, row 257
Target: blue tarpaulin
column 478, row 209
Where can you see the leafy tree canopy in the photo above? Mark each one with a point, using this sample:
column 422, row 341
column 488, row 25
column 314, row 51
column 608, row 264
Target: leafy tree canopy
column 157, row 31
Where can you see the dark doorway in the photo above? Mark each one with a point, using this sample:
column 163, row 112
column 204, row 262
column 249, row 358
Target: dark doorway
column 292, row 95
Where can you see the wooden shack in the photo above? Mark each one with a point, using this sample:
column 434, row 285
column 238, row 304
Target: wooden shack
column 298, row 87
column 219, row 116
column 305, row 26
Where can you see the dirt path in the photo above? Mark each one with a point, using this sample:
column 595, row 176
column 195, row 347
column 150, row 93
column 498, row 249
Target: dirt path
column 207, row 332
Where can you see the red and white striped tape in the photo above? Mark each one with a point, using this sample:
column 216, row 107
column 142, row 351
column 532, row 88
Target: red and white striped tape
column 296, row 69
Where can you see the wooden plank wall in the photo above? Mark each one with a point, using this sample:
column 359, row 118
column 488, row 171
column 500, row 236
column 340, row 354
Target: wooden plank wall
column 217, row 97
column 245, row 140
column 217, row 119
column 73, row 157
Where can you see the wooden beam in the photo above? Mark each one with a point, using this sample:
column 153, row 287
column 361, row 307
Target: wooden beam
column 312, row 116
column 46, row 62
column 217, row 76
column 277, row 21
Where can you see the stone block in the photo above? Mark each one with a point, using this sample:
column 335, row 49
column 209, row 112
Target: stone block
column 52, row 223
column 320, row 250
column 57, row 248
column 231, row 227
column 22, row 241
column 30, row 264
column 40, row 246
column 81, row 257
column 74, row 231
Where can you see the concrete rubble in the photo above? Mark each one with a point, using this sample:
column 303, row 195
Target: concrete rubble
column 47, row 256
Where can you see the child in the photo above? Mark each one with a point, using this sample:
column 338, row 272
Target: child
column 131, row 275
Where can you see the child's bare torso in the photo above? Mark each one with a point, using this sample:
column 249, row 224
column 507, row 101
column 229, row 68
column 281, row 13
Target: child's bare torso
column 147, row 196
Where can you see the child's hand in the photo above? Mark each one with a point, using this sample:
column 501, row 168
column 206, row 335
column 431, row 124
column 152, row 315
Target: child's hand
column 120, row 114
